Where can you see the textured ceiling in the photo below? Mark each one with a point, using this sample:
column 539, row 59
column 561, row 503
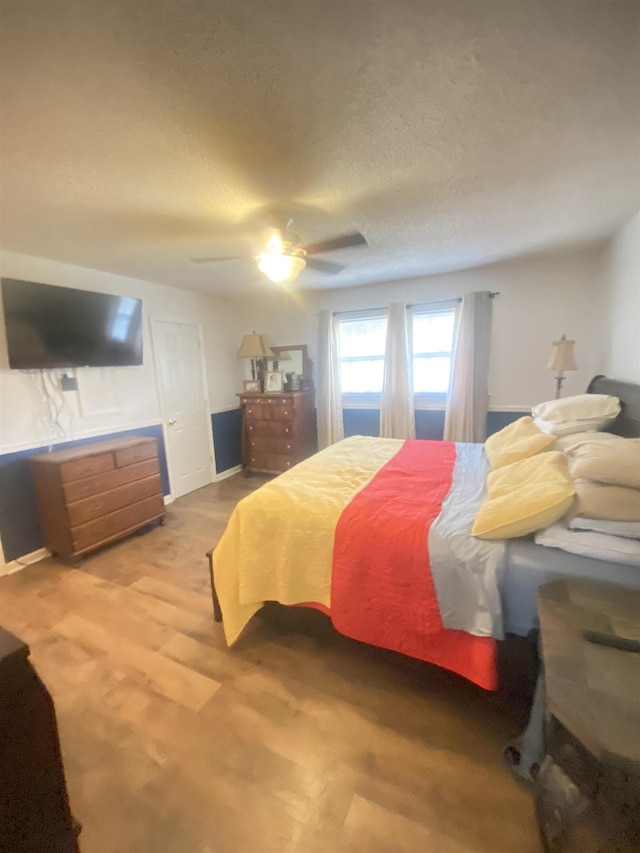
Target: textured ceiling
column 137, row 134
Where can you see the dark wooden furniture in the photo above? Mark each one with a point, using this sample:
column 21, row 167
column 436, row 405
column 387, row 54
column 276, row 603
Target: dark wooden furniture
column 278, row 430
column 97, row 493
column 34, row 806
column 590, row 643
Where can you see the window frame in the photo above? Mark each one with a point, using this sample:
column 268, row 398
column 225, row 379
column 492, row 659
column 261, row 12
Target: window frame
column 423, row 400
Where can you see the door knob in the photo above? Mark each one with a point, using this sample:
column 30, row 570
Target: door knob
column 171, row 422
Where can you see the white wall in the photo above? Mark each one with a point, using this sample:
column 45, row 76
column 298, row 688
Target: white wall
column 22, row 409
column 621, row 272
column 541, row 297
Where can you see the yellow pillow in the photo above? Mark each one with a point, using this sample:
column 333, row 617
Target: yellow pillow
column 519, row 440
column 524, row 497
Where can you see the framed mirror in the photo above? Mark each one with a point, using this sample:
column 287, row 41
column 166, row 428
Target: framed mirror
column 295, row 363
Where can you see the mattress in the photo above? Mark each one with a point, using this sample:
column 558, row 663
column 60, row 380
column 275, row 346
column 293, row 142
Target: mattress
column 528, row 565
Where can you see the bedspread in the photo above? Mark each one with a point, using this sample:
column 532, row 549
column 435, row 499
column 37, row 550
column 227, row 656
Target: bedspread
column 293, row 541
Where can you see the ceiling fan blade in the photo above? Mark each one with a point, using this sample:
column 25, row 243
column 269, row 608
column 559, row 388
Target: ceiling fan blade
column 223, row 258
column 329, row 267
column 355, row 238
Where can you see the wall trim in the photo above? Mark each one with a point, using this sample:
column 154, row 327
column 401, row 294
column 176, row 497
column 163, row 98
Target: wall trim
column 168, row 499
column 24, row 561
column 43, row 443
column 225, row 409
column 228, row 473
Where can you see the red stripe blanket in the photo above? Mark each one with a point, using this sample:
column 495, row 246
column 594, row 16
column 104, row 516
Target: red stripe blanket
column 382, row 592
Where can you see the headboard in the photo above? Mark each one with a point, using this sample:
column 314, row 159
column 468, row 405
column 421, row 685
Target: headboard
column 627, row 423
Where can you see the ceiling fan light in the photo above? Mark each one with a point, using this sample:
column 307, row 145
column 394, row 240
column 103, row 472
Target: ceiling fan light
column 281, row 268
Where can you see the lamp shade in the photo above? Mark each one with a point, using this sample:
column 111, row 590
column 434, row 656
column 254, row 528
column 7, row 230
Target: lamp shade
column 281, row 268
column 561, row 357
column 254, row 346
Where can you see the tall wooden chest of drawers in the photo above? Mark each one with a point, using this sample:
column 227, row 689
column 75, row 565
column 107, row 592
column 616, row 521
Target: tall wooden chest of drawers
column 97, row 493
column 278, row 430
column 34, row 804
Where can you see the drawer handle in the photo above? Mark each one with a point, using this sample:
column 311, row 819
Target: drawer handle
column 250, row 427
column 286, row 413
column 249, row 411
column 253, row 444
column 269, row 401
column 288, row 447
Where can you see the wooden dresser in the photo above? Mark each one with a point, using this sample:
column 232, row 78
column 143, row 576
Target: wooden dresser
column 278, row 430
column 97, row 493
column 34, row 806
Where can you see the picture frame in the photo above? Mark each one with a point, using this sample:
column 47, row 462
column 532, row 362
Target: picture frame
column 274, row 382
column 251, row 385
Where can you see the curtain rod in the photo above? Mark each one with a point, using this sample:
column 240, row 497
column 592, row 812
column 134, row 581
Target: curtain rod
column 411, row 305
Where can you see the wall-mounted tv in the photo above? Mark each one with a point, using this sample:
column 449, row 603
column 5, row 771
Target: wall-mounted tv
column 48, row 326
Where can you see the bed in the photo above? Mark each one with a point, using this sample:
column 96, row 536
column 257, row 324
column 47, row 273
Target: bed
column 344, row 532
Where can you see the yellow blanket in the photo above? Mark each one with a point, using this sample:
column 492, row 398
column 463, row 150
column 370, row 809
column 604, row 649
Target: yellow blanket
column 278, row 545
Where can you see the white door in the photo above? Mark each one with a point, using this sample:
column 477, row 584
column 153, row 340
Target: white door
column 183, row 398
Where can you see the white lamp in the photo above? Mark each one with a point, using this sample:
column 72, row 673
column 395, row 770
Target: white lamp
column 281, row 262
column 257, row 349
column 561, row 359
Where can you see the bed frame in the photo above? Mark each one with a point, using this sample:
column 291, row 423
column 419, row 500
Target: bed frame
column 627, row 423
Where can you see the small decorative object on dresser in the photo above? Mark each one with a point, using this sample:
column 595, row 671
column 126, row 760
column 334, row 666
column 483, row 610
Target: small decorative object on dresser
column 97, row 493
column 275, row 382
column 278, row 430
column 250, row 385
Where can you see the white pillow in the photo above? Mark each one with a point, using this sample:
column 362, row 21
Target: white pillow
column 571, row 427
column 566, row 442
column 587, row 407
column 599, row 546
column 626, row 529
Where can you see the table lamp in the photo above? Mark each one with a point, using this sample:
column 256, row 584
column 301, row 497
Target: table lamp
column 561, row 359
column 256, row 348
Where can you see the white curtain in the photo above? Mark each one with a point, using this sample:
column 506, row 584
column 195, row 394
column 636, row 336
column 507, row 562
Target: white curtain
column 468, row 398
column 397, row 418
column 329, row 396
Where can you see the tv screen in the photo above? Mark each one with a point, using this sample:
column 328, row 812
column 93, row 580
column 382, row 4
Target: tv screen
column 48, row 326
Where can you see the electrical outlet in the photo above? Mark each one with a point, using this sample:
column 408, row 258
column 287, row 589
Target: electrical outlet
column 68, row 383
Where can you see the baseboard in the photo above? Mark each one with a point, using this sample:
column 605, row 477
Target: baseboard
column 23, row 562
column 168, row 499
column 229, row 473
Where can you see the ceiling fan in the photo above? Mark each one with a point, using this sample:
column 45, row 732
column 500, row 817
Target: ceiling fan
column 283, row 257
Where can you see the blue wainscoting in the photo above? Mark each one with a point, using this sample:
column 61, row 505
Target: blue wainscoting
column 227, row 433
column 19, row 523
column 429, row 422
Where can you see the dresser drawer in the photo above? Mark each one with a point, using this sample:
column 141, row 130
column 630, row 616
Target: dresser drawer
column 270, row 445
column 264, row 412
column 270, row 462
column 94, row 507
column 76, row 469
column 110, row 526
column 136, row 453
column 269, row 429
column 109, row 480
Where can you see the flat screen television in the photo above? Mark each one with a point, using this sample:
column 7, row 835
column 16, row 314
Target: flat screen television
column 49, row 326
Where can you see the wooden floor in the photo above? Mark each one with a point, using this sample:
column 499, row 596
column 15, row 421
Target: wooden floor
column 294, row 741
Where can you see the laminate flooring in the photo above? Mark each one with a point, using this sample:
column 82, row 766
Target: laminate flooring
column 296, row 740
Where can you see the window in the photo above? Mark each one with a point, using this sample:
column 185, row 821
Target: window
column 362, row 342
column 362, row 345
column 432, row 349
